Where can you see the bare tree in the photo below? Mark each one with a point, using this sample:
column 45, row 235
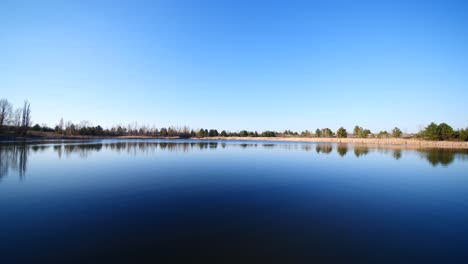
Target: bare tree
column 69, row 128
column 16, row 120
column 26, row 117
column 85, row 124
column 5, row 111
column 60, row 125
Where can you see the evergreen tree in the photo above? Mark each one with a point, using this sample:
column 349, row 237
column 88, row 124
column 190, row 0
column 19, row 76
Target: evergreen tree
column 201, row 133
column 164, row 132
column 396, row 132
column 445, row 131
column 431, row 132
column 318, row 133
column 213, row 133
column 243, row 133
column 342, row 133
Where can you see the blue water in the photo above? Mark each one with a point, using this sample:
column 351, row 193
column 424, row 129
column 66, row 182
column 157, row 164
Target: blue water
column 233, row 201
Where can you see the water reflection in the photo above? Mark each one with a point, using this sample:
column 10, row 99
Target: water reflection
column 342, row 149
column 324, row 148
column 397, row 154
column 14, row 157
column 443, row 157
column 361, row 151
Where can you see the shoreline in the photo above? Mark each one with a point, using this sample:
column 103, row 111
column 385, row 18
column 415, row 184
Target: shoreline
column 379, row 142
column 382, row 142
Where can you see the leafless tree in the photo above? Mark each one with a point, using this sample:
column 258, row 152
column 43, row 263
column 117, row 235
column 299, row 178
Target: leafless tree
column 60, row 125
column 69, row 128
column 5, row 111
column 26, row 117
column 86, row 123
column 16, row 119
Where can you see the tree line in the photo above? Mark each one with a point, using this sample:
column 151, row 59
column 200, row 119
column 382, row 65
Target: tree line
column 443, row 131
column 18, row 121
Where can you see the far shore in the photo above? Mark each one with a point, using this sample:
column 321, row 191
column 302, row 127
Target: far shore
column 400, row 142
column 381, row 142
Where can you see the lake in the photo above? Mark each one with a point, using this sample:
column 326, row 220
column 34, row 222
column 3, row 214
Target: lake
column 230, row 201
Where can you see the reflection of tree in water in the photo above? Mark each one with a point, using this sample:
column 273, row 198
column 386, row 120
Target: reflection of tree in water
column 39, row 148
column 324, row 148
column 397, row 154
column 443, row 157
column 23, row 160
column 286, row 146
column 14, row 157
column 243, row 145
column 59, row 150
column 166, row 146
column 83, row 150
column 307, row 147
column 342, row 149
column 248, row 145
column 438, row 156
column 118, row 146
column 205, row 145
column 360, row 151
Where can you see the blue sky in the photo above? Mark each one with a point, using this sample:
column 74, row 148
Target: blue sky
column 233, row 65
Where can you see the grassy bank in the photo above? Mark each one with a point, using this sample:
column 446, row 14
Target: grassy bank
column 412, row 143
column 395, row 142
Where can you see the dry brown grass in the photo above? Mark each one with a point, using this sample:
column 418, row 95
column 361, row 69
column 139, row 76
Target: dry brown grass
column 412, row 143
column 382, row 142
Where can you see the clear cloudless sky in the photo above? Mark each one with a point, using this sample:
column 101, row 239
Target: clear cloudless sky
column 238, row 64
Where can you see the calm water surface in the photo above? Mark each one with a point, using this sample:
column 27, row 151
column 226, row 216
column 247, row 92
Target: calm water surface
column 230, row 201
